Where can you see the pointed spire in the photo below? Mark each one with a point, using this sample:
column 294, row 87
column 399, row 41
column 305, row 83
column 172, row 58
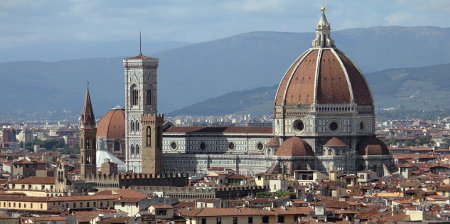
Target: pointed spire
column 87, row 118
column 323, row 32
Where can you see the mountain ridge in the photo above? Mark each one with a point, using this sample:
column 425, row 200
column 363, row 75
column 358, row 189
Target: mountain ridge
column 195, row 72
column 387, row 88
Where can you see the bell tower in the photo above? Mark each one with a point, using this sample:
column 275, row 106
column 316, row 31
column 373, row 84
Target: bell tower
column 152, row 128
column 88, row 132
column 140, row 99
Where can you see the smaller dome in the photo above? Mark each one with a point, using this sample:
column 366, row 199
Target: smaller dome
column 112, row 124
column 335, row 142
column 274, row 142
column 295, row 146
column 371, row 146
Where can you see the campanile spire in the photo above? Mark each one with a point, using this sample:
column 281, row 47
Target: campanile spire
column 88, row 132
column 87, row 118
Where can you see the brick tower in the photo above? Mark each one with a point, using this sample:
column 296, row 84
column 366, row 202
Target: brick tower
column 88, row 133
column 152, row 143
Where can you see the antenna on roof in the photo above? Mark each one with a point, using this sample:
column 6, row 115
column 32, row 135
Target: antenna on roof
column 140, row 43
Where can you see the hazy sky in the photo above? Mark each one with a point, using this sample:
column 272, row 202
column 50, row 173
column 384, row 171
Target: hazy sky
column 30, row 22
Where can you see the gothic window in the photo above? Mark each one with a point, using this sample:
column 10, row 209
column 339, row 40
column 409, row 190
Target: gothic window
column 149, row 97
column 132, row 150
column 148, row 137
column 88, row 143
column 134, row 95
column 132, row 126
column 137, row 126
column 137, row 149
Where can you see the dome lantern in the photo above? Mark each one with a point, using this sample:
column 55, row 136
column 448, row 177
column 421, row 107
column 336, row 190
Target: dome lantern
column 323, row 33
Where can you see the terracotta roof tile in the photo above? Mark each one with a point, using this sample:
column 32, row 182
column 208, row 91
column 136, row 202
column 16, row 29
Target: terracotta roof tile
column 372, row 146
column 334, row 141
column 300, row 90
column 212, row 212
column 274, row 142
column 294, row 146
column 112, row 124
column 115, row 220
column 34, row 180
column 332, row 87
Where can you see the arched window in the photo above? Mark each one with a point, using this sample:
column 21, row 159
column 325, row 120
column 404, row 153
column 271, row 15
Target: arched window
column 132, row 150
column 137, row 126
column 137, row 149
column 132, row 126
column 134, row 95
column 149, row 97
column 148, row 137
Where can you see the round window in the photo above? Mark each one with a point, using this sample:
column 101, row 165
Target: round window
column 231, row 146
column 202, row 146
column 260, row 146
column 298, row 125
column 333, row 126
column 173, row 145
column 361, row 125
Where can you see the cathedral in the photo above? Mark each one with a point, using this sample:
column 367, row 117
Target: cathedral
column 323, row 120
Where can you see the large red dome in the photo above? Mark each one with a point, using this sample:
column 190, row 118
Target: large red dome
column 323, row 76
column 112, row 124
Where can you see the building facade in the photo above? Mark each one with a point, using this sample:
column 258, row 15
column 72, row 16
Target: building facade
column 324, row 120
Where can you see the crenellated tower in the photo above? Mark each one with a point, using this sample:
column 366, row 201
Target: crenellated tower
column 140, row 99
column 152, row 128
column 88, row 133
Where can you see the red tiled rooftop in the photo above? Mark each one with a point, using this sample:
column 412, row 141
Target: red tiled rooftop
column 34, row 180
column 334, row 141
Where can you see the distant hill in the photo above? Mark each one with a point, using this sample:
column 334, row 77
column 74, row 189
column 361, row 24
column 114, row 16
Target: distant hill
column 59, row 51
column 412, row 89
column 196, row 72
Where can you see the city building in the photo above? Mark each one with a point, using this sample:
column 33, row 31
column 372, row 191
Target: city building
column 323, row 120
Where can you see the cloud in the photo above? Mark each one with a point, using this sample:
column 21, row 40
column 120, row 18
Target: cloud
column 265, row 6
column 399, row 18
column 200, row 20
column 437, row 6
